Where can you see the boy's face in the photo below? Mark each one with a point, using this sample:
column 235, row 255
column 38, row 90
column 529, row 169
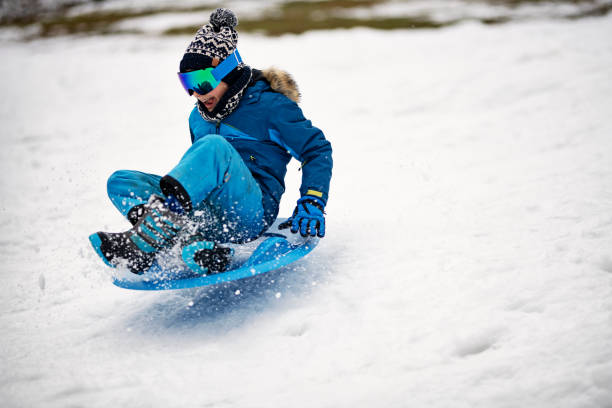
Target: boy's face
column 211, row 99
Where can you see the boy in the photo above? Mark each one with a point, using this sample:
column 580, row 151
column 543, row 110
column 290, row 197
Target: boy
column 227, row 187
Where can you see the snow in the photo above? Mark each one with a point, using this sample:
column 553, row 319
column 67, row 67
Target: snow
column 450, row 10
column 158, row 23
column 468, row 260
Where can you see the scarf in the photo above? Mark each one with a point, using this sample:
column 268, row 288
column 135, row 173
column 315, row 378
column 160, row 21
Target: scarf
column 230, row 100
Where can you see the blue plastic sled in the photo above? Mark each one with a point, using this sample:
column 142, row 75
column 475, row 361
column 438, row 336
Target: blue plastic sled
column 272, row 252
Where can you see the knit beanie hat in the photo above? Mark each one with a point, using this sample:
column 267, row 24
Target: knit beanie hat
column 213, row 43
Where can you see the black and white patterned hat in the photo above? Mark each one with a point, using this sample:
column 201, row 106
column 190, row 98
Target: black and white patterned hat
column 213, row 42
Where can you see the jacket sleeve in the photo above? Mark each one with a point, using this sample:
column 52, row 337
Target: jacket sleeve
column 306, row 143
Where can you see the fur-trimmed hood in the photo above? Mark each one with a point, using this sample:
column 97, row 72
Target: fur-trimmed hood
column 281, row 82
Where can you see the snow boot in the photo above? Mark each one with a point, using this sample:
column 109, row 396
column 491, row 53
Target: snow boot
column 206, row 257
column 156, row 229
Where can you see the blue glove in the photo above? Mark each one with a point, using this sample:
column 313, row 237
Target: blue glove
column 308, row 217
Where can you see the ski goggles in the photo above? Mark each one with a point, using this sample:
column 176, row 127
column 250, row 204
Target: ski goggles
column 203, row 81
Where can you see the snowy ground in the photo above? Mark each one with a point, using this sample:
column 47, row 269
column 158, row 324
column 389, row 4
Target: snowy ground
column 468, row 260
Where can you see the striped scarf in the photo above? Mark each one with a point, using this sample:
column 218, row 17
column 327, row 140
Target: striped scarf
column 230, row 100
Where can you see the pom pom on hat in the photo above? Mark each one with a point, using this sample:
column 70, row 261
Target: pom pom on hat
column 223, row 17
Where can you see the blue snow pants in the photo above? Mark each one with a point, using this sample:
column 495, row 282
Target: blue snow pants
column 226, row 199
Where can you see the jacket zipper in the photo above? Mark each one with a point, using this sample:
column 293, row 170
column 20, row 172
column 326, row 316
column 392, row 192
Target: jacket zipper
column 217, row 126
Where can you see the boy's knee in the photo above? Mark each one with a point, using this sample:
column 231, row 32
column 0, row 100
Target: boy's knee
column 116, row 178
column 216, row 143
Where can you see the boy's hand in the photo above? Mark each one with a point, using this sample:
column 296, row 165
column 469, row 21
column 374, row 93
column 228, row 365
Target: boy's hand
column 308, row 217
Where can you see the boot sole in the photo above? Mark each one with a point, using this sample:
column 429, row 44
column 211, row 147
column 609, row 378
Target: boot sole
column 96, row 243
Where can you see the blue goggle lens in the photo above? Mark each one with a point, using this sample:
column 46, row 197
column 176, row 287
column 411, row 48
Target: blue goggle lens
column 201, row 81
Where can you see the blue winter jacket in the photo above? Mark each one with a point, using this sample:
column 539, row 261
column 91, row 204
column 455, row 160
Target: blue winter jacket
column 267, row 129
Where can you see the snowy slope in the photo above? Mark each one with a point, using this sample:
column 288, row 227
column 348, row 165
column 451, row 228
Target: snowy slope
column 469, row 252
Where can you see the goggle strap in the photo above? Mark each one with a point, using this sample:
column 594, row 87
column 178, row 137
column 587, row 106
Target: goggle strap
column 227, row 65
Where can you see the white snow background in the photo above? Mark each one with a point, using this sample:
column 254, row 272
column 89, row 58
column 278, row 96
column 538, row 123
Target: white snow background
column 468, row 257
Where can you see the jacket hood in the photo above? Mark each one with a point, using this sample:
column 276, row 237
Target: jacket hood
column 282, row 82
